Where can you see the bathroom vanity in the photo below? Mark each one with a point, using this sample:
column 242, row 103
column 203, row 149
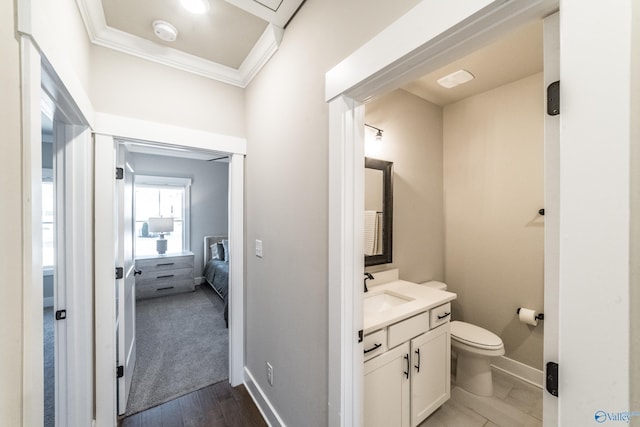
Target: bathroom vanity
column 407, row 346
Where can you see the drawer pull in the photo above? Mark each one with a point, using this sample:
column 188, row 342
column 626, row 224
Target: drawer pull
column 375, row 347
column 165, row 276
column 444, row 316
column 165, row 289
column 406, row 373
column 165, row 264
column 418, row 365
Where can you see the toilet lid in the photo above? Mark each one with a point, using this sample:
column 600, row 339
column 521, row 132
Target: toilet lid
column 474, row 335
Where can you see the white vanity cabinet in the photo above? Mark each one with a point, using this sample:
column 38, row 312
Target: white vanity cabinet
column 430, row 372
column 407, row 383
column 387, row 388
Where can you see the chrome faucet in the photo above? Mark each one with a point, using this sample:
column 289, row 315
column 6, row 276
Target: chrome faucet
column 367, row 276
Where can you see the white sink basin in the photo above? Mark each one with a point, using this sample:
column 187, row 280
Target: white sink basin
column 383, row 301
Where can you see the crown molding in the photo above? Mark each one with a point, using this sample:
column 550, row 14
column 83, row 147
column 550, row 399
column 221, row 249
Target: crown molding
column 103, row 35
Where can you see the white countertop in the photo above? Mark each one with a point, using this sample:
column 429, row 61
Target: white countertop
column 424, row 299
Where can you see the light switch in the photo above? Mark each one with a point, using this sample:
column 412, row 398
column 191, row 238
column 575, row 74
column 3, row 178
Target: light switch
column 259, row 248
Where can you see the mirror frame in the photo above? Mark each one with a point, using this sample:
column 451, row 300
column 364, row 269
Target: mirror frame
column 387, row 207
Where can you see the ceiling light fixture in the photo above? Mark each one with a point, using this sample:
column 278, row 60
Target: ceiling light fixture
column 165, row 31
column 196, row 6
column 454, row 79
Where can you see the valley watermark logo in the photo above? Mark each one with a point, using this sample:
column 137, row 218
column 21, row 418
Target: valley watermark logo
column 623, row 416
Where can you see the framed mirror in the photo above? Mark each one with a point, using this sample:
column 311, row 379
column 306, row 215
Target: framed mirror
column 378, row 211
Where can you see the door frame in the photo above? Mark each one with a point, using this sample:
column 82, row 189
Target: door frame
column 75, row 264
column 109, row 130
column 439, row 33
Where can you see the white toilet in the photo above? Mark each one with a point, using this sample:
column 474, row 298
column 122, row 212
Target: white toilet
column 474, row 346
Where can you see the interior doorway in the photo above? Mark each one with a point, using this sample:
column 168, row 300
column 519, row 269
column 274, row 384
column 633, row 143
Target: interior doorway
column 173, row 315
column 159, row 137
column 346, row 96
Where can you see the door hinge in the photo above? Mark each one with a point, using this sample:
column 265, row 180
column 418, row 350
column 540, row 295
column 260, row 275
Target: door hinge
column 360, row 336
column 119, row 173
column 552, row 378
column 553, row 99
column 119, row 273
column 61, row 314
column 119, row 371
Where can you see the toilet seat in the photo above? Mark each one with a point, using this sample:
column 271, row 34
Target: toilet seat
column 475, row 336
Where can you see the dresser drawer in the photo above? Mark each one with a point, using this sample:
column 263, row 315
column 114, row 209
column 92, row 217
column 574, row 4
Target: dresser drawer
column 172, row 263
column 161, row 289
column 182, row 273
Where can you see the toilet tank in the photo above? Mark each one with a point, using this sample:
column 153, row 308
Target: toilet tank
column 436, row 285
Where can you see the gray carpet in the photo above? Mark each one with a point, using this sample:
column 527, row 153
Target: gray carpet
column 182, row 346
column 49, row 375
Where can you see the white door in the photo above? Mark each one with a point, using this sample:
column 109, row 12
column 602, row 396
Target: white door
column 125, row 289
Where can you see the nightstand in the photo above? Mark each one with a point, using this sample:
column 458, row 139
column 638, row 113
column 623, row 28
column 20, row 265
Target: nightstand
column 164, row 275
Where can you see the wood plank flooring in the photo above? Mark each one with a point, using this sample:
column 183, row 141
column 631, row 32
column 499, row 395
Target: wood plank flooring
column 218, row 405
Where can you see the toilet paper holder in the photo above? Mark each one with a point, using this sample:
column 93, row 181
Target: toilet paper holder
column 539, row 316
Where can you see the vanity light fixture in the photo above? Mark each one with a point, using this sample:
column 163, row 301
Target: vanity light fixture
column 456, row 78
column 197, row 7
column 378, row 132
column 373, row 147
column 165, row 31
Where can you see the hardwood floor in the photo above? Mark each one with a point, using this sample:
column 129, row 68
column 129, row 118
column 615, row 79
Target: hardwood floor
column 218, row 405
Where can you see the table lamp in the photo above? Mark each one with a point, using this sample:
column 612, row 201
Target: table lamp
column 161, row 225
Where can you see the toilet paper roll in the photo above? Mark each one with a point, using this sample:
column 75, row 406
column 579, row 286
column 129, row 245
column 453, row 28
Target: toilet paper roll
column 528, row 316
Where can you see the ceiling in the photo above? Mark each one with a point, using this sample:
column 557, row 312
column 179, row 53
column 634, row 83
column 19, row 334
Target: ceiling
column 511, row 58
column 230, row 43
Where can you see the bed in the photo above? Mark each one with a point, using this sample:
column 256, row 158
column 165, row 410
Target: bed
column 216, row 270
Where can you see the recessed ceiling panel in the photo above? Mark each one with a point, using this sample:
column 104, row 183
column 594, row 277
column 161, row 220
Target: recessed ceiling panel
column 225, row 34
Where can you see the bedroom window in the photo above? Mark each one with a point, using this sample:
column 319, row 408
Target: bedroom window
column 157, row 196
column 48, row 216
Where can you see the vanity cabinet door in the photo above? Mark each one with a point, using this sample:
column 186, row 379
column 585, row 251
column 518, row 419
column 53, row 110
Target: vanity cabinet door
column 386, row 384
column 430, row 372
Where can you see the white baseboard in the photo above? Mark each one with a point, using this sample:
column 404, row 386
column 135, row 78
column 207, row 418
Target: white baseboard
column 519, row 370
column 260, row 399
column 199, row 280
column 47, row 302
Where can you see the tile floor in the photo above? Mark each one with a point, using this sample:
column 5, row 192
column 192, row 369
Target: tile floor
column 514, row 403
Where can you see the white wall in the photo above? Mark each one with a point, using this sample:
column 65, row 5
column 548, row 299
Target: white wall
column 493, row 189
column 413, row 142
column 287, row 202
column 209, row 195
column 132, row 87
column 10, row 244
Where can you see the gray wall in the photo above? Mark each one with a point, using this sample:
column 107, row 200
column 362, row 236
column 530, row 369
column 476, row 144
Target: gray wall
column 209, row 194
column 287, row 202
column 494, row 186
column 413, row 142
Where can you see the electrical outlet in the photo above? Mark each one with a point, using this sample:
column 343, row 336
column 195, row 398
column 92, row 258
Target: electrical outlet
column 259, row 248
column 270, row 374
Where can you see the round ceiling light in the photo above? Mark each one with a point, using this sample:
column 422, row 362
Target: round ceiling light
column 165, row 31
column 196, row 6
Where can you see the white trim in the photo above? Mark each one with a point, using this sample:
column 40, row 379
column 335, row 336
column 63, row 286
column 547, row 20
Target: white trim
column 103, row 35
column 236, row 269
column 398, row 54
column 163, row 180
column 265, row 407
column 277, row 12
column 105, row 297
column 519, row 370
column 160, row 133
column 32, row 281
column 199, row 280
